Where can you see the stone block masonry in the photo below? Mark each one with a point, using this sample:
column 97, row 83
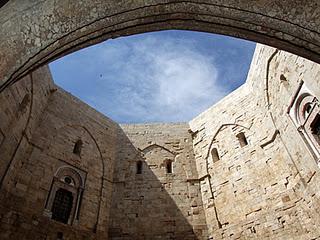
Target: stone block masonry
column 163, row 200
column 246, row 168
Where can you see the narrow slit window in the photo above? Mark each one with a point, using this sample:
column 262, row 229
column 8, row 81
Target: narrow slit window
column 77, row 147
column 169, row 166
column 242, row 139
column 24, row 103
column 215, row 155
column 139, row 167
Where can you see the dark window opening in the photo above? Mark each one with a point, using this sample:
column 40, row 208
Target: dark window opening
column 169, row 166
column 24, row 103
column 283, row 78
column 77, row 147
column 215, row 155
column 242, row 139
column 315, row 128
column 139, row 167
column 62, row 206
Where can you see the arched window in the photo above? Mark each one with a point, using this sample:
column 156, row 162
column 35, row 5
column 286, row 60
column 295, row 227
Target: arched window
column 310, row 122
column 215, row 155
column 77, row 147
column 169, row 166
column 242, row 139
column 304, row 110
column 304, row 107
column 139, row 167
column 64, row 199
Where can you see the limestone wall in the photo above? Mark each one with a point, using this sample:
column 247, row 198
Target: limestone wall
column 46, row 147
column 261, row 190
column 21, row 107
column 156, row 204
column 263, row 184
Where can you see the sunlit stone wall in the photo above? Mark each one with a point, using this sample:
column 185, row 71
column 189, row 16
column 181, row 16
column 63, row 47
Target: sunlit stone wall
column 242, row 169
column 268, row 188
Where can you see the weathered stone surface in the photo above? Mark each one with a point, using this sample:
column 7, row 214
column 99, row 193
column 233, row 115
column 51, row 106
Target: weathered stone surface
column 45, row 141
column 260, row 185
column 268, row 188
column 156, row 204
column 34, row 32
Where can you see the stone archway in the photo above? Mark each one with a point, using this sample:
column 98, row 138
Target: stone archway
column 34, row 33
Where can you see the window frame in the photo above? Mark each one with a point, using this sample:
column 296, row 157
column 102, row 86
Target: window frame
column 76, row 187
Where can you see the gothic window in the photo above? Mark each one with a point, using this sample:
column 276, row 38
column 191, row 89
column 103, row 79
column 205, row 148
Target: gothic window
column 215, row 155
column 304, row 110
column 304, row 107
column 64, row 199
column 62, row 205
column 139, row 167
column 242, row 139
column 169, row 166
column 78, row 147
column 308, row 114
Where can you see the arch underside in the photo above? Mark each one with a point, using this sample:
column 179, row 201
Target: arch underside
column 37, row 33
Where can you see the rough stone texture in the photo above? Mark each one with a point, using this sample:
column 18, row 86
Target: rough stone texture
column 21, row 108
column 44, row 143
column 272, row 183
column 35, row 32
column 267, row 189
column 156, row 204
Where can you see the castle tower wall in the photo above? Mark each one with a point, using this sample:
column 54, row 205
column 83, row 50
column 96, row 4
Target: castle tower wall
column 156, row 203
column 248, row 167
column 21, row 107
column 267, row 188
column 47, row 162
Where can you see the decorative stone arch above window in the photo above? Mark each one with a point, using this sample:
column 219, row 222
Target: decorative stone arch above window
column 64, row 199
column 153, row 146
column 213, row 139
column 167, row 162
column 304, row 107
column 214, row 154
column 304, row 110
column 67, row 171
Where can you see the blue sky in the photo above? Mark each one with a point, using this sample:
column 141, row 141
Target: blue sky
column 166, row 76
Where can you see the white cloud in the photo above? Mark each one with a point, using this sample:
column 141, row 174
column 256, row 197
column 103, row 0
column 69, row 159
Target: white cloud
column 157, row 79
